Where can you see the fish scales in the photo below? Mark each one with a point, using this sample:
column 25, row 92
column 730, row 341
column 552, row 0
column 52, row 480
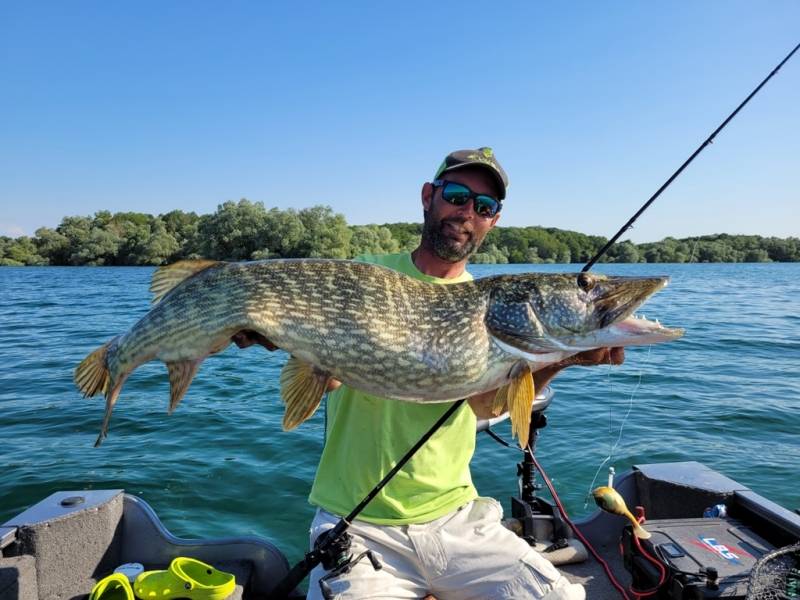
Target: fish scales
column 371, row 327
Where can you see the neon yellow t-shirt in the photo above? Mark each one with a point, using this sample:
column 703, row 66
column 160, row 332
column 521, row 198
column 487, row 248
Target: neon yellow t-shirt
column 367, row 435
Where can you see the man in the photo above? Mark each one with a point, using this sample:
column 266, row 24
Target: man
column 428, row 527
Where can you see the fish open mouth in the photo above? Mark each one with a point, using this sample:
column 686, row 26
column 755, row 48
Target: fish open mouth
column 637, row 330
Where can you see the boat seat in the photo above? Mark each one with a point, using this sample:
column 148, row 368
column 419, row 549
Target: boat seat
column 61, row 547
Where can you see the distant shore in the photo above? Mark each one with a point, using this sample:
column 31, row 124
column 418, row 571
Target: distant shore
column 247, row 230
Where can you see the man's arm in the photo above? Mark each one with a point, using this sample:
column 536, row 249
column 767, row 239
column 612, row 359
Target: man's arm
column 481, row 404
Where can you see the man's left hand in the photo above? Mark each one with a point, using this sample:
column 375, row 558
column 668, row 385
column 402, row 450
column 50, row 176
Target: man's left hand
column 598, row 356
column 482, row 403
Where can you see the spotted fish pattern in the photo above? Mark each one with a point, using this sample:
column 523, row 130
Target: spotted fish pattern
column 368, row 326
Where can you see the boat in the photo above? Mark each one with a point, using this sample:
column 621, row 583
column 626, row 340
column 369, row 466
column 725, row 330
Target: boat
column 61, row 546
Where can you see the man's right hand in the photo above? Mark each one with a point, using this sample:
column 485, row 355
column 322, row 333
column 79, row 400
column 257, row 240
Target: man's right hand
column 247, row 338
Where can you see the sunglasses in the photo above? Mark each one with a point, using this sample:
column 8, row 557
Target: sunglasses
column 458, row 194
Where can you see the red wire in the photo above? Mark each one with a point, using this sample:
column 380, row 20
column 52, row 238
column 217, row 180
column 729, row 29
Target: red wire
column 583, row 539
column 603, row 563
column 662, row 571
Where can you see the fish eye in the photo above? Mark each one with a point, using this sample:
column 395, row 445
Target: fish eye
column 585, row 281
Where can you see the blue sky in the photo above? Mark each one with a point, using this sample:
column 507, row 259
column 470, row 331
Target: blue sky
column 590, row 106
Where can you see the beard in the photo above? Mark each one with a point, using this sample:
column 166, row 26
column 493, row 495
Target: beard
column 435, row 231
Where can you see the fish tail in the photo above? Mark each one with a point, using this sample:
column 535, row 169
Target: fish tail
column 641, row 533
column 92, row 375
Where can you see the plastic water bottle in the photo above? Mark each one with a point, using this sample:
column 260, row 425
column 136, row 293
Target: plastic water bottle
column 718, row 511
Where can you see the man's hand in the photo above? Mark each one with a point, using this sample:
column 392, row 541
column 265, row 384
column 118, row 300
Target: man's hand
column 588, row 358
column 481, row 404
column 247, row 338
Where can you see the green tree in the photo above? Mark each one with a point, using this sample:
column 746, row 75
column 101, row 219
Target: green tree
column 326, row 233
column 182, row 226
column 234, row 232
column 283, row 234
column 624, row 252
column 52, row 245
column 19, row 251
column 372, row 239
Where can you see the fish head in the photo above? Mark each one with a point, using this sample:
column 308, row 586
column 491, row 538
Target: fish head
column 566, row 313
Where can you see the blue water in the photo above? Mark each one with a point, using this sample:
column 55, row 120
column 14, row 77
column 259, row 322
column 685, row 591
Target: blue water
column 728, row 394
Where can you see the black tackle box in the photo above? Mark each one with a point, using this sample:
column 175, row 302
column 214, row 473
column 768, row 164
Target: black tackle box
column 703, row 558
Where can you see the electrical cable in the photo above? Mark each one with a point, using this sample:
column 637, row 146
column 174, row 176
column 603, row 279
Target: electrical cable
column 580, row 535
column 609, row 573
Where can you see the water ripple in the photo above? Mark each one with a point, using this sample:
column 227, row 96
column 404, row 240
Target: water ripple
column 728, row 394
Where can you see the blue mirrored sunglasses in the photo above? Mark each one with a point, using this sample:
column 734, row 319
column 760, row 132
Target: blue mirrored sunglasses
column 458, row 194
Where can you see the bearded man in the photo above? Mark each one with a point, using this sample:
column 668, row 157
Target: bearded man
column 431, row 531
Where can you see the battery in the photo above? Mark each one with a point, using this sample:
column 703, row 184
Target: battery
column 703, row 558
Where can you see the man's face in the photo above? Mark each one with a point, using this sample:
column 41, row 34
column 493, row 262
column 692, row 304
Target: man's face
column 456, row 232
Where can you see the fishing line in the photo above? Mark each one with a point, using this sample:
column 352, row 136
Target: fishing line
column 694, row 247
column 617, row 443
column 666, row 184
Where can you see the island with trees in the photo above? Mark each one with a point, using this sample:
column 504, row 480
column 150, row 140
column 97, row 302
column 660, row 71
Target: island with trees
column 246, row 230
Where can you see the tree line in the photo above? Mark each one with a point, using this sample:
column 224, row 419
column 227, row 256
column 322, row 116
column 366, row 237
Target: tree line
column 247, row 230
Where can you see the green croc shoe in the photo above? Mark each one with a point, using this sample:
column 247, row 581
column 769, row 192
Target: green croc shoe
column 185, row 578
column 114, row 587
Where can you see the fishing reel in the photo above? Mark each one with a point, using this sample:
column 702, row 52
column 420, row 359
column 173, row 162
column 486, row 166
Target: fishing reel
column 337, row 558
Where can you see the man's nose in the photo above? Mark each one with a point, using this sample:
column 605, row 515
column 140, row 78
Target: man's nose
column 466, row 210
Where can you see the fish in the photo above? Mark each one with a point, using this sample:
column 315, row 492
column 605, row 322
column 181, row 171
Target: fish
column 609, row 500
column 374, row 329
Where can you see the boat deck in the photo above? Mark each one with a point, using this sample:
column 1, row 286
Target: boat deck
column 592, row 576
column 61, row 546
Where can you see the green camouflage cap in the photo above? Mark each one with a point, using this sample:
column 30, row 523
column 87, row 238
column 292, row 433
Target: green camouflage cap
column 482, row 157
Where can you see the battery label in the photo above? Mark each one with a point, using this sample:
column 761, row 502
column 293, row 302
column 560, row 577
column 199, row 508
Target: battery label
column 712, row 545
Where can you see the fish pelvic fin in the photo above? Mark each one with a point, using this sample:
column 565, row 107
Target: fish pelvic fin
column 181, row 374
column 500, row 404
column 302, row 387
column 168, row 277
column 91, row 375
column 521, row 393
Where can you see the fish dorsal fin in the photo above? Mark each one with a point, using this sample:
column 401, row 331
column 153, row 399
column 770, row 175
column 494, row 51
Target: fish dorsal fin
column 302, row 387
column 180, row 376
column 168, row 277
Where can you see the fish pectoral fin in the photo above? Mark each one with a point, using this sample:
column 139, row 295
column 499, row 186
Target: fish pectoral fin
column 181, row 374
column 166, row 278
column 302, row 387
column 521, row 393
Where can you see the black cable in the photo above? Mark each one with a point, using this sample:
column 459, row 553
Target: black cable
column 630, row 222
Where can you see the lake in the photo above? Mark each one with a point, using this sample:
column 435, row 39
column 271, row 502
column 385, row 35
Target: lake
column 727, row 394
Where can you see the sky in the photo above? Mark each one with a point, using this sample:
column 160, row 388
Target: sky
column 151, row 106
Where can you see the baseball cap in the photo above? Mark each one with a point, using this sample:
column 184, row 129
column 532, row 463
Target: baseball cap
column 482, row 157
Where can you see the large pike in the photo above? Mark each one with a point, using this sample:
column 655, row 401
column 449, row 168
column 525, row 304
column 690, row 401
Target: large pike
column 375, row 329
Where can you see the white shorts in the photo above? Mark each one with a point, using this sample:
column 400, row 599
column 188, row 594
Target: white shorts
column 467, row 554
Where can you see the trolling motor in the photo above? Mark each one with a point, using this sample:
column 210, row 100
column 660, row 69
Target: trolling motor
column 534, row 519
column 540, row 520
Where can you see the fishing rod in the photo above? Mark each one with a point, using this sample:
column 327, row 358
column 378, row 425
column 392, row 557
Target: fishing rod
column 332, row 547
column 666, row 184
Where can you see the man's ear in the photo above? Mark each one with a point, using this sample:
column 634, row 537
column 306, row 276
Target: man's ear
column 427, row 196
column 495, row 219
